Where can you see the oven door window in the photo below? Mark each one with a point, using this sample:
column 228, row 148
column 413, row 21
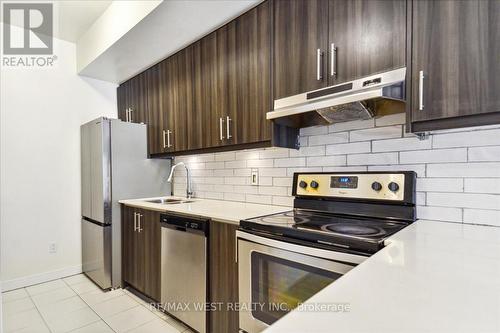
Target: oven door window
column 280, row 285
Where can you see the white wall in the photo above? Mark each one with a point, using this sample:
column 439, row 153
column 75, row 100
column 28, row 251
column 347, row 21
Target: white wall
column 41, row 112
column 458, row 170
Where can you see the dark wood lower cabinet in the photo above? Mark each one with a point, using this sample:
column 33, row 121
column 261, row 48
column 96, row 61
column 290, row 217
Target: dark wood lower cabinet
column 141, row 250
column 223, row 276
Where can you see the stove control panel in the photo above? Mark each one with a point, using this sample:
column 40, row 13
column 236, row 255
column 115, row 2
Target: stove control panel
column 381, row 186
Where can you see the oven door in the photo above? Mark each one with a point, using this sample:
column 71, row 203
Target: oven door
column 275, row 277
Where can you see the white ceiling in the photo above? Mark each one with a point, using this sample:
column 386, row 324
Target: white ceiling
column 173, row 25
column 76, row 16
column 73, row 17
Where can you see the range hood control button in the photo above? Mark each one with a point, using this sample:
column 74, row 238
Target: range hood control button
column 303, row 184
column 376, row 186
column 394, row 187
column 314, row 184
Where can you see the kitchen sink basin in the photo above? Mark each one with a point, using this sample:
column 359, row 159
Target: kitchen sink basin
column 169, row 201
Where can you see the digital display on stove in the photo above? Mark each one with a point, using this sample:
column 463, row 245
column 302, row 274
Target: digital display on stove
column 344, row 182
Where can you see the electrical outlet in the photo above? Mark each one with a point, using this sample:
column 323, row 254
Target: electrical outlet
column 254, row 177
column 52, row 248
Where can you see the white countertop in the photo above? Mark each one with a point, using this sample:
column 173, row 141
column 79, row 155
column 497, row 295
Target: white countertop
column 431, row 277
column 224, row 211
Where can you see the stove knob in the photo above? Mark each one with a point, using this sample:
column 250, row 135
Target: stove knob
column 376, row 186
column 303, row 184
column 394, row 187
column 314, row 184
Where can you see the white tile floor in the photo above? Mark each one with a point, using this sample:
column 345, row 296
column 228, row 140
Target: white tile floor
column 75, row 304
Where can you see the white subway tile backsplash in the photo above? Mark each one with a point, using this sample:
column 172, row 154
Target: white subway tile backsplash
column 282, row 181
column 433, row 156
column 229, row 156
column 351, row 125
column 412, row 143
column 464, row 170
column 440, row 184
column 314, row 130
column 283, row 201
column 418, row 168
column 291, row 171
column 482, row 185
column 266, row 181
column 272, row 172
column 372, row 159
column 235, row 164
column 308, row 151
column 260, row 199
column 290, row 162
column 458, row 170
column 235, row 180
column 376, row 133
column 480, row 216
column 348, row 148
column 334, row 160
column 328, row 139
column 439, row 213
column 267, row 163
column 467, row 139
column 485, row 154
column 272, row 190
column 275, row 153
column 393, row 119
column 465, row 200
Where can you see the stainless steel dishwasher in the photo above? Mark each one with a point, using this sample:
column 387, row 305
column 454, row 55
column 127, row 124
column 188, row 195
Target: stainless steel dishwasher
column 184, row 268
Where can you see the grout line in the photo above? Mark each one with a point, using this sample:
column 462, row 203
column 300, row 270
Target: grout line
column 88, row 305
column 38, row 310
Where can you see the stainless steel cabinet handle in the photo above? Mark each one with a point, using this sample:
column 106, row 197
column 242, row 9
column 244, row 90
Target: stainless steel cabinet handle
column 164, row 139
column 421, row 90
column 139, row 217
column 221, row 129
column 333, row 60
column 168, row 139
column 126, row 114
column 135, row 221
column 319, row 75
column 228, row 132
column 130, row 117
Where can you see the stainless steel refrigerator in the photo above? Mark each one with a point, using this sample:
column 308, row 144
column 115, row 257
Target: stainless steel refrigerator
column 114, row 166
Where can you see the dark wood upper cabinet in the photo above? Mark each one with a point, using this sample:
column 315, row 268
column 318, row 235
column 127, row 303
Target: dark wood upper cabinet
column 247, row 122
column 455, row 45
column 300, row 45
column 132, row 98
column 365, row 37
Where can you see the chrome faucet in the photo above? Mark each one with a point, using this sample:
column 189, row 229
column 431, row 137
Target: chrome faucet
column 189, row 190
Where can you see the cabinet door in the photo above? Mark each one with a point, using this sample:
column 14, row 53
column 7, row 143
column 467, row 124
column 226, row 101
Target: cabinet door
column 247, row 122
column 223, row 272
column 151, row 237
column 300, row 30
column 455, row 45
column 132, row 253
column 226, row 81
column 369, row 37
column 121, row 101
column 155, row 111
column 168, row 102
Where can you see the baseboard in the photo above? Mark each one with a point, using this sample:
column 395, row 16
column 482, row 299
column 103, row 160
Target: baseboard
column 40, row 278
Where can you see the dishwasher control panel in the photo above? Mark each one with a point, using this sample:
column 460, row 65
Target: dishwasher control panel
column 184, row 223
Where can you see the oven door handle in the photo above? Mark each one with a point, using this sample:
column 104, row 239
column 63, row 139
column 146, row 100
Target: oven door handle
column 348, row 258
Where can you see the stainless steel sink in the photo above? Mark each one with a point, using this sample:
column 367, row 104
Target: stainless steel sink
column 169, row 201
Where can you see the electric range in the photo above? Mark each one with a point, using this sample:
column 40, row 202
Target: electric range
column 338, row 220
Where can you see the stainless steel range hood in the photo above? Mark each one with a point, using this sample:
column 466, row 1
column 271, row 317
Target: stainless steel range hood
column 364, row 98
